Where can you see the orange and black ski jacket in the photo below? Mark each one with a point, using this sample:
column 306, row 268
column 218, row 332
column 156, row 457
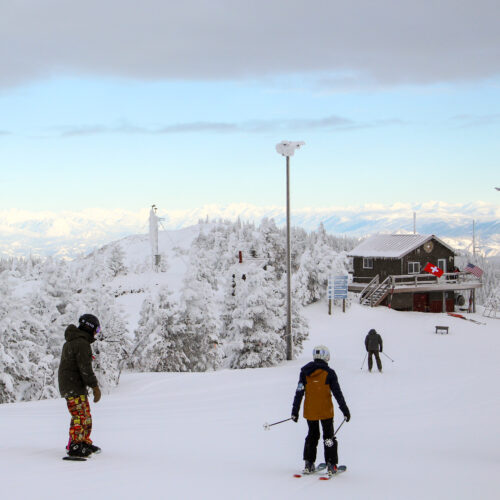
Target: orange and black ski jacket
column 318, row 382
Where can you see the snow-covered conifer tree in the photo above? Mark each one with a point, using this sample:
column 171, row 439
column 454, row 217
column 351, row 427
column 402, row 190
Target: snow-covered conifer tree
column 115, row 261
column 272, row 246
column 199, row 316
column 159, row 336
column 253, row 331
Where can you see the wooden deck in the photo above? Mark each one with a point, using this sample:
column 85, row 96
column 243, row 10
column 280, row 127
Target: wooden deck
column 409, row 283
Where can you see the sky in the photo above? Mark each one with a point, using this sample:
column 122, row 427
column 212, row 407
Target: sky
column 120, row 105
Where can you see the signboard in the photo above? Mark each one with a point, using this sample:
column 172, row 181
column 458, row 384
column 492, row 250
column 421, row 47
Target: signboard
column 340, row 287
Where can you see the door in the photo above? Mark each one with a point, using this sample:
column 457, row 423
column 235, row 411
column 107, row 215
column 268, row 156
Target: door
column 421, row 302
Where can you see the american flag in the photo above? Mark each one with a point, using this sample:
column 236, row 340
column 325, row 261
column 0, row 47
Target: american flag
column 476, row 271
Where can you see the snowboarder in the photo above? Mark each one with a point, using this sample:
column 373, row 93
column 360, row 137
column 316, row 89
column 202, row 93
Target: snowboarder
column 75, row 375
column 317, row 381
column 373, row 344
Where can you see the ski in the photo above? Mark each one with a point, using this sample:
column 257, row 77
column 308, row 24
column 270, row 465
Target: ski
column 320, row 468
column 326, row 476
column 461, row 316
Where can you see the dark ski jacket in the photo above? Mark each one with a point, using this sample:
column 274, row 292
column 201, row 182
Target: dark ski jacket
column 373, row 341
column 318, row 381
column 75, row 370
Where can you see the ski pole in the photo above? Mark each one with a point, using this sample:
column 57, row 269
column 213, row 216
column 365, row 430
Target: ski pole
column 364, row 359
column 334, row 434
column 267, row 426
column 387, row 356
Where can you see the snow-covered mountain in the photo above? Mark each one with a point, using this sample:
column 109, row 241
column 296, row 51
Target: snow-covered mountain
column 67, row 234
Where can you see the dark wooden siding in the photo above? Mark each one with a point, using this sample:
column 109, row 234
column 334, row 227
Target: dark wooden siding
column 420, row 255
column 382, row 267
column 385, row 266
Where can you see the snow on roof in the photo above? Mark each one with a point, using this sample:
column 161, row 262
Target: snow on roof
column 392, row 246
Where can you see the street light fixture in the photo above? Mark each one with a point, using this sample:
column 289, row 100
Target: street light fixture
column 287, row 149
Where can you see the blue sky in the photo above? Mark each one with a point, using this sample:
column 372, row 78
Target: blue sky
column 102, row 126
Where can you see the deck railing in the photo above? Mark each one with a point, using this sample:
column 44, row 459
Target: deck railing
column 415, row 280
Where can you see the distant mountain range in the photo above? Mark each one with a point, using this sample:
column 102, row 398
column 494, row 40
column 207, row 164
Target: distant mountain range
column 68, row 234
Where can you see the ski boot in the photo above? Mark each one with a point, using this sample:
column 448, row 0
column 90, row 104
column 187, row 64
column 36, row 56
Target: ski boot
column 93, row 448
column 331, row 469
column 309, row 468
column 80, row 450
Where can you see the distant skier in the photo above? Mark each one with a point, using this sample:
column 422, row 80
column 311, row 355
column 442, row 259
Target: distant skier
column 373, row 344
column 75, row 375
column 317, row 381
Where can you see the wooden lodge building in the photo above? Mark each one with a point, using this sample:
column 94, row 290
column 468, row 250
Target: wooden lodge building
column 388, row 269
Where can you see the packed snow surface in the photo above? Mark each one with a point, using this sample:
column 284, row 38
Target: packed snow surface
column 426, row 428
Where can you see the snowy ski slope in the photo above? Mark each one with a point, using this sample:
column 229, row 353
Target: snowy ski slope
column 427, row 428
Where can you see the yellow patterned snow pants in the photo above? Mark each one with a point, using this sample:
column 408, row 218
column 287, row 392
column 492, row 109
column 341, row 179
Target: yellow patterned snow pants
column 81, row 420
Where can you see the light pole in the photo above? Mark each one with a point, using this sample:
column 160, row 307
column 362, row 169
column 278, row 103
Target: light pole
column 287, row 148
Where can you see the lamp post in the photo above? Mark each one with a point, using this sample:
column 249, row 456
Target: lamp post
column 287, row 149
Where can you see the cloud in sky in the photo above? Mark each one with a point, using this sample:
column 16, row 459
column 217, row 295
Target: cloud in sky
column 388, row 41
column 332, row 123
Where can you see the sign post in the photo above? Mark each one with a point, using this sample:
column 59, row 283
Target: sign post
column 336, row 289
column 330, row 294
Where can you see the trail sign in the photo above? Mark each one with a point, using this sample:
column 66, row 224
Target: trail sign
column 340, row 287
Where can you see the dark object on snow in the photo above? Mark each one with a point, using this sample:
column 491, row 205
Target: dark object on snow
column 75, row 370
column 81, row 450
column 441, row 329
column 317, row 381
column 373, row 341
column 374, row 345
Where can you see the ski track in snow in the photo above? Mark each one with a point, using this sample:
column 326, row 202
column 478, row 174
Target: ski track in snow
column 427, row 428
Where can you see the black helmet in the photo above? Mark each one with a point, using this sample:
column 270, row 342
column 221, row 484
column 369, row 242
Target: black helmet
column 89, row 323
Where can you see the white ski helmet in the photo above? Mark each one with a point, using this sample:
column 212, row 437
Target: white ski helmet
column 321, row 352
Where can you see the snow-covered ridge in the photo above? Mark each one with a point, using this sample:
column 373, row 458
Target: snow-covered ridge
column 68, row 234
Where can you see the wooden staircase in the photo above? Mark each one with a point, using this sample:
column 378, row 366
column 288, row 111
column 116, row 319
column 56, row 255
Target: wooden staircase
column 375, row 292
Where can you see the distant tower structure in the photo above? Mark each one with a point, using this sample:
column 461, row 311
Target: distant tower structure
column 153, row 237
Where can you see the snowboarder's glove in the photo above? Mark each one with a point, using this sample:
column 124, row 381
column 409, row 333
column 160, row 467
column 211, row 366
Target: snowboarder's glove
column 97, row 393
column 347, row 415
column 295, row 418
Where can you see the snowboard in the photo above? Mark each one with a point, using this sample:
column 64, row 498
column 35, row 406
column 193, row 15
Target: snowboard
column 320, row 468
column 340, row 469
column 81, row 459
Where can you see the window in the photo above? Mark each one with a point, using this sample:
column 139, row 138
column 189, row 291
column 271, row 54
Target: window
column 413, row 267
column 367, row 263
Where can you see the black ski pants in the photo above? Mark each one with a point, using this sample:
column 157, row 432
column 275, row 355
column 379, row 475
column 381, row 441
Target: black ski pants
column 329, row 441
column 377, row 359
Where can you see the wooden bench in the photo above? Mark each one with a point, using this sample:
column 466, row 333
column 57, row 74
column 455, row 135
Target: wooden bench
column 441, row 329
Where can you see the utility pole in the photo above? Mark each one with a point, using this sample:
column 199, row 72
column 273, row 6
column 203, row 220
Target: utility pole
column 474, row 238
column 474, row 261
column 287, row 149
column 153, row 237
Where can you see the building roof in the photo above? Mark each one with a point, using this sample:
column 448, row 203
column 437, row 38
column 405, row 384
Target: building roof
column 392, row 246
